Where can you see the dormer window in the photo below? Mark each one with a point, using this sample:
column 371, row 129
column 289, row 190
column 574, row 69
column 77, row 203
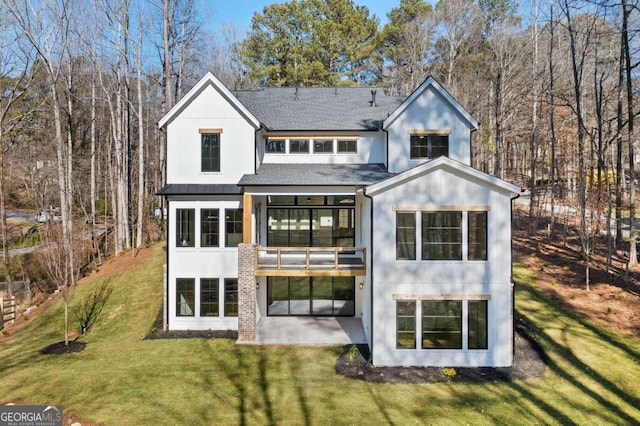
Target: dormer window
column 210, row 150
column 429, row 144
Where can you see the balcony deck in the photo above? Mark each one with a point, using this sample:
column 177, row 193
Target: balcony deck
column 311, row 261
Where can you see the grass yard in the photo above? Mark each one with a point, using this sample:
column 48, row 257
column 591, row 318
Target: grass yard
column 592, row 376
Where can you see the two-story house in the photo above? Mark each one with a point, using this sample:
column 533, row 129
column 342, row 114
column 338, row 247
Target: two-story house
column 338, row 203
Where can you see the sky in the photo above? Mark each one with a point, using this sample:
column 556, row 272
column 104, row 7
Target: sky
column 239, row 12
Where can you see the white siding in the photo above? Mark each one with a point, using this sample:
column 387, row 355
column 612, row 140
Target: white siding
column 371, row 149
column 467, row 279
column 200, row 262
column 428, row 111
column 209, row 110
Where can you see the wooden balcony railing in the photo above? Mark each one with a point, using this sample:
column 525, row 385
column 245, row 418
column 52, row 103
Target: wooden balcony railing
column 310, row 261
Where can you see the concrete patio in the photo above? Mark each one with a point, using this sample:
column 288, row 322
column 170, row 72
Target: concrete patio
column 309, row 331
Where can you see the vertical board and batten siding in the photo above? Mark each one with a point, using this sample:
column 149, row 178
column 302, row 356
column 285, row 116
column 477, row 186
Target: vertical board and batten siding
column 442, row 187
column 430, row 111
column 209, row 110
column 201, row 262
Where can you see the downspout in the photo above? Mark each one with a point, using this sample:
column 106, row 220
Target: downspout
column 386, row 165
column 166, row 284
column 513, row 286
column 364, row 192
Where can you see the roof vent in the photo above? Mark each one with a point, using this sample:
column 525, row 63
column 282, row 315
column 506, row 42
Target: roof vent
column 373, row 97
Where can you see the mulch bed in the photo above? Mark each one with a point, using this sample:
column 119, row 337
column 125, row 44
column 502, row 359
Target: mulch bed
column 529, row 362
column 59, row 348
column 190, row 334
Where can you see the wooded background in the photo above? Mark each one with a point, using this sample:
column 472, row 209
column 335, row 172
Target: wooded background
column 84, row 82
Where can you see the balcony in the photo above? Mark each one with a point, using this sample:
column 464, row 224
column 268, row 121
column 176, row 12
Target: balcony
column 310, row 261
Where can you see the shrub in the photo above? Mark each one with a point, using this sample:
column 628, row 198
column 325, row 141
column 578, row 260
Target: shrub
column 91, row 306
column 353, row 351
column 449, row 373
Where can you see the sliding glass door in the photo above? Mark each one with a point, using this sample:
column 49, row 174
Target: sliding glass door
column 311, row 296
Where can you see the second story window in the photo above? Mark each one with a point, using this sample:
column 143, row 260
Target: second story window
column 429, row 145
column 347, row 146
column 233, row 223
column 324, row 146
column 299, row 146
column 185, row 227
column 210, row 152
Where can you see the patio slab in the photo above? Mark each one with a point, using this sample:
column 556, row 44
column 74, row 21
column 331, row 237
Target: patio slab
column 309, row 331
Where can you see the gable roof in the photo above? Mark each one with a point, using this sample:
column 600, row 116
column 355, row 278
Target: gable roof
column 316, row 175
column 206, row 81
column 431, row 82
column 319, row 108
column 444, row 163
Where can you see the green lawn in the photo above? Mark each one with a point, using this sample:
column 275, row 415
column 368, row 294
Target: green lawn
column 593, row 375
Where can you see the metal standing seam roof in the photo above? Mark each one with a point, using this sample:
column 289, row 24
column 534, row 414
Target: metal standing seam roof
column 200, row 189
column 319, row 108
column 316, row 175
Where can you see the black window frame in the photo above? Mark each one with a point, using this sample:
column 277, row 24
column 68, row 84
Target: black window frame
column 406, row 324
column 439, row 233
column 232, row 227
column 209, row 297
column 428, row 146
column 185, row 227
column 209, row 228
column 185, row 287
column 406, row 236
column 230, row 297
column 441, row 314
column 477, row 234
column 275, row 146
column 347, row 146
column 324, row 143
column 298, row 144
column 477, row 325
column 210, row 154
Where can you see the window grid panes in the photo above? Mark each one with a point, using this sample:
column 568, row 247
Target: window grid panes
column 323, row 146
column 477, row 323
column 441, row 235
column 185, row 227
column 185, row 297
column 477, row 235
column 276, row 146
column 299, row 146
column 209, row 227
column 209, row 297
column 428, row 146
column 210, row 152
column 406, row 324
column 230, row 297
column 233, row 224
column 441, row 324
column 347, row 146
column 405, row 235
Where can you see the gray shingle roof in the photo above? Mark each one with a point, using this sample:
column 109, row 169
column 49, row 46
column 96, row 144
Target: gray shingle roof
column 319, row 108
column 316, row 174
column 200, row 189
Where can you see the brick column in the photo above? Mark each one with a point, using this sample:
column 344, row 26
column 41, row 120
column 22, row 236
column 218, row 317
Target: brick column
column 246, row 293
